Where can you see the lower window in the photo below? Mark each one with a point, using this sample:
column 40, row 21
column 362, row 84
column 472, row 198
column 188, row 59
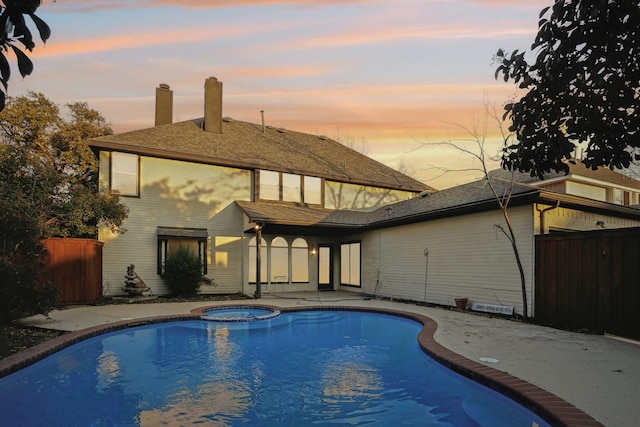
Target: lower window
column 350, row 264
column 170, row 239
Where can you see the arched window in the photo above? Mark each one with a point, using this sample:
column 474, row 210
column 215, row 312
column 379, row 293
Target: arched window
column 279, row 260
column 300, row 261
column 252, row 260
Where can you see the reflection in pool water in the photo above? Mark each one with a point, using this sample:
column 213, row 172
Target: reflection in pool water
column 301, row 368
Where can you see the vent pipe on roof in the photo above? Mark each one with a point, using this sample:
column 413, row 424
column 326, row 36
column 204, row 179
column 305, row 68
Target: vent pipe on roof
column 164, row 105
column 213, row 105
column 263, row 127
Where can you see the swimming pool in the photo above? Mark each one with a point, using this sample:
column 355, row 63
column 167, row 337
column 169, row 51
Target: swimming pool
column 306, row 367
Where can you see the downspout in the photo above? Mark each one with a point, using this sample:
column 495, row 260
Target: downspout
column 426, row 270
column 378, row 289
column 542, row 212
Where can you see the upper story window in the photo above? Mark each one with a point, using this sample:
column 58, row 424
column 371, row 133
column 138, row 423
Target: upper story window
column 291, row 188
column 312, row 190
column 269, row 185
column 622, row 197
column 288, row 187
column 125, row 173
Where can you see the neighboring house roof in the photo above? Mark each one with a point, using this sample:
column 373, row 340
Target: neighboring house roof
column 245, row 145
column 577, row 171
column 467, row 198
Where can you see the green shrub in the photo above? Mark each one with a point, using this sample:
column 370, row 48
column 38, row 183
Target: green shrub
column 20, row 293
column 22, row 254
column 183, row 272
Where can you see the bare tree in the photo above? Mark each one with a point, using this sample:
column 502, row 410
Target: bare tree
column 476, row 135
column 353, row 196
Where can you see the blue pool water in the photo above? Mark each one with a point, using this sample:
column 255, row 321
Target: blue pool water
column 337, row 368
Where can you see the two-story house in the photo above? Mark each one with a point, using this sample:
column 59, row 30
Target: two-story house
column 320, row 215
column 181, row 182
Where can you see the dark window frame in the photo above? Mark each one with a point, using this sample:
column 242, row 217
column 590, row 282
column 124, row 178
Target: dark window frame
column 111, row 173
column 165, row 234
column 281, row 188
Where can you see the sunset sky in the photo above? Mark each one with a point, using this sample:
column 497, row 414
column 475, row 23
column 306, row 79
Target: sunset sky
column 386, row 76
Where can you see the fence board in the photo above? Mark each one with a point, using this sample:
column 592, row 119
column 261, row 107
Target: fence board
column 589, row 280
column 74, row 266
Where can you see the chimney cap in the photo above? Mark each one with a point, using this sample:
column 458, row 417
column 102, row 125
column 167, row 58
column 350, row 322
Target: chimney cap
column 164, row 86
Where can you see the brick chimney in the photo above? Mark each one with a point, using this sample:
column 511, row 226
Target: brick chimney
column 164, row 105
column 213, row 105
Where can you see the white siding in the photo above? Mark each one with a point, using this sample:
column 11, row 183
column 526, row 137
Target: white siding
column 179, row 194
column 468, row 257
column 226, row 242
column 370, row 259
column 562, row 219
column 586, row 190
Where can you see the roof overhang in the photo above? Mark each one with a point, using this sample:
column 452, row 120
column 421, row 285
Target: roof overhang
column 290, row 219
column 191, row 233
column 292, row 222
column 589, row 205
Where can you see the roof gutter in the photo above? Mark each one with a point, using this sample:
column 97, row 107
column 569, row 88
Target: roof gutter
column 479, row 206
column 571, row 201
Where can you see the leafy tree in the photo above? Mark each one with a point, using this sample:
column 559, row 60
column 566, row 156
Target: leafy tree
column 14, row 29
column 584, row 87
column 24, row 192
column 48, row 187
column 56, row 151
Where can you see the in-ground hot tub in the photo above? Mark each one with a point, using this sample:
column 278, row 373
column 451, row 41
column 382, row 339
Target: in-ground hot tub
column 247, row 313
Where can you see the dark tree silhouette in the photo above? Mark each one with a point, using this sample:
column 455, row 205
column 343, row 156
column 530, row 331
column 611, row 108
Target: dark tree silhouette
column 14, row 30
column 584, row 87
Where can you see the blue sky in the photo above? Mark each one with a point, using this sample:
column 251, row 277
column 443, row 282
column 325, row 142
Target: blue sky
column 384, row 76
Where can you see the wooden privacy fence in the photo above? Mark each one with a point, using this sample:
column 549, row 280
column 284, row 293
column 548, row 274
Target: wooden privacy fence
column 74, row 266
column 589, row 281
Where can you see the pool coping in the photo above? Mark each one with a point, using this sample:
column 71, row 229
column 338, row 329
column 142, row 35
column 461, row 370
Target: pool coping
column 553, row 409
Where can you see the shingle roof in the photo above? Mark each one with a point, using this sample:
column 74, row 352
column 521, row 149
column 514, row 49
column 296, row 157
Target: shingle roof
column 245, row 145
column 462, row 198
column 298, row 215
column 471, row 197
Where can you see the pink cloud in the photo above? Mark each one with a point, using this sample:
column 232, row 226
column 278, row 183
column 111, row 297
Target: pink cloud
column 142, row 39
column 449, row 32
column 86, row 5
column 529, row 3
